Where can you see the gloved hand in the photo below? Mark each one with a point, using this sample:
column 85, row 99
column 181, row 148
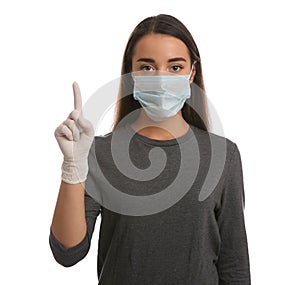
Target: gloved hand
column 75, row 136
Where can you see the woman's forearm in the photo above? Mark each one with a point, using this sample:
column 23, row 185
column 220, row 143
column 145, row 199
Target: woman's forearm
column 69, row 223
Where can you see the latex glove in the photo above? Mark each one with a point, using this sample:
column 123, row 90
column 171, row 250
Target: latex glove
column 75, row 136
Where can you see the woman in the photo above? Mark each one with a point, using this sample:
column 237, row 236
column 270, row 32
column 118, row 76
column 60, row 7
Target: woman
column 162, row 104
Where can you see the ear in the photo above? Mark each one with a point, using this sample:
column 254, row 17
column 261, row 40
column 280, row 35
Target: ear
column 193, row 72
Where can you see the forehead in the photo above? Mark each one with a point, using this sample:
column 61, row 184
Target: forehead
column 160, row 47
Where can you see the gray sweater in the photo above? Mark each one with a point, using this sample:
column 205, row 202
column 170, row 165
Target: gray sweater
column 192, row 234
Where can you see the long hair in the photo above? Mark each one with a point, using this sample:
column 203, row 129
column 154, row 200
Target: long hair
column 196, row 115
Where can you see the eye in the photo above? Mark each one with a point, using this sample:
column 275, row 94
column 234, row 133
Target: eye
column 146, row 68
column 176, row 68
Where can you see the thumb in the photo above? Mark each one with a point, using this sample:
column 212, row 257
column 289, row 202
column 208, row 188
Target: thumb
column 85, row 125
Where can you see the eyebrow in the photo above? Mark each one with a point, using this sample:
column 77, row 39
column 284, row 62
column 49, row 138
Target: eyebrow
column 170, row 60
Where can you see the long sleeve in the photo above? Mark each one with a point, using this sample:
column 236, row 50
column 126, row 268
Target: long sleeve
column 70, row 256
column 233, row 263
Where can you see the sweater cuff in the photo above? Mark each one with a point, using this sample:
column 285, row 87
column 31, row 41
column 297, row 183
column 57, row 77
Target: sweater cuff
column 68, row 256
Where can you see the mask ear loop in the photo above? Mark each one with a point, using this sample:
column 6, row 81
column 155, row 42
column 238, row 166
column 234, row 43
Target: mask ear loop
column 132, row 75
column 132, row 78
column 192, row 69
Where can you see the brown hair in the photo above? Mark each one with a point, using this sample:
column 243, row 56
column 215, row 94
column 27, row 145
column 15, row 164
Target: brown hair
column 169, row 25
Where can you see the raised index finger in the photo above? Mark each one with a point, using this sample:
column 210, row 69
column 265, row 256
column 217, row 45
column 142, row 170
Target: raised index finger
column 77, row 97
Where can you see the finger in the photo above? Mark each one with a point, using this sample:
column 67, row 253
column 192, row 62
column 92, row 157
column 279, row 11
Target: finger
column 85, row 125
column 82, row 123
column 72, row 126
column 63, row 131
column 77, row 97
column 74, row 115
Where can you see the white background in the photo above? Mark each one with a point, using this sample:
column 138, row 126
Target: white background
column 250, row 57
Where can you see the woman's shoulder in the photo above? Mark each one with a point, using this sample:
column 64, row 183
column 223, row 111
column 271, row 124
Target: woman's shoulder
column 103, row 137
column 214, row 141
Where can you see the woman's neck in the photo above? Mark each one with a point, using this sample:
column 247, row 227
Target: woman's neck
column 165, row 130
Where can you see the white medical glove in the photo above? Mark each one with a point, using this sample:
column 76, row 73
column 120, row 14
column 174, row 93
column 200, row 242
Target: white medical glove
column 75, row 136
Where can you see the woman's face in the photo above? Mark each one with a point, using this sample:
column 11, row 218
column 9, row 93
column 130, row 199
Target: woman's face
column 159, row 52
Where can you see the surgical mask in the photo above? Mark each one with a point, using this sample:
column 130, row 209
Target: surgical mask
column 162, row 96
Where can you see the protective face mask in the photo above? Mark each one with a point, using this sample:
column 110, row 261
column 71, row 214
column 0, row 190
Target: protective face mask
column 162, row 96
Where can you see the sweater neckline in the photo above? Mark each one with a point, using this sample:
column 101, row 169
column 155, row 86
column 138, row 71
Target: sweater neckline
column 176, row 141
